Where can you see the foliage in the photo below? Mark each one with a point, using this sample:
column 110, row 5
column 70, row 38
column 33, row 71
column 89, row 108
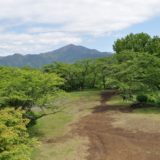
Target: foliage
column 132, row 42
column 141, row 42
column 142, row 98
column 82, row 74
column 137, row 73
column 15, row 143
column 133, row 70
column 26, row 87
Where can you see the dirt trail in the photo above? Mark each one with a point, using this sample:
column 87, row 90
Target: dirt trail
column 110, row 143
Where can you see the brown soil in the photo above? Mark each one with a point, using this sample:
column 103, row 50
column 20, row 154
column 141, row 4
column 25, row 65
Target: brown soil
column 110, row 143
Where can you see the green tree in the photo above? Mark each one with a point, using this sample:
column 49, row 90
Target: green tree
column 153, row 46
column 133, row 42
column 69, row 72
column 137, row 73
column 26, row 87
column 15, row 143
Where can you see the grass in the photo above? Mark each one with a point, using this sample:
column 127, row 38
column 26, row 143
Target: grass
column 52, row 125
column 150, row 110
column 149, row 123
column 53, row 131
column 86, row 95
column 118, row 101
column 68, row 150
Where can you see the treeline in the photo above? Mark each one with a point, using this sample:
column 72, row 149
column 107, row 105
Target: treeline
column 26, row 87
column 134, row 70
column 138, row 43
column 81, row 75
column 20, row 90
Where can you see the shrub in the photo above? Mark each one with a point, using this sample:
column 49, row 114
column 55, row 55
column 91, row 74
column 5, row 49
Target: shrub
column 142, row 98
column 15, row 142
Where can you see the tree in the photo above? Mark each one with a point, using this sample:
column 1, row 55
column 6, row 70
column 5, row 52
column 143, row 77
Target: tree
column 137, row 73
column 153, row 46
column 84, row 71
column 26, row 87
column 15, row 143
column 133, row 42
column 78, row 76
column 102, row 70
column 69, row 72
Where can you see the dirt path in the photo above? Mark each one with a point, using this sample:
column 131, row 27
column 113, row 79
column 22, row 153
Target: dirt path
column 113, row 143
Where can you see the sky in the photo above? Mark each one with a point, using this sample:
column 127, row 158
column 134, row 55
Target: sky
column 36, row 26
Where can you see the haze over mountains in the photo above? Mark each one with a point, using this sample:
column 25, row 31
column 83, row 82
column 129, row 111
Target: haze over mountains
column 67, row 54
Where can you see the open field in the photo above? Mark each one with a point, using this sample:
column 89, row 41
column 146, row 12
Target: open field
column 98, row 125
column 57, row 141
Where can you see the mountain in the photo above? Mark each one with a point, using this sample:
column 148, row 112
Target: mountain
column 67, row 54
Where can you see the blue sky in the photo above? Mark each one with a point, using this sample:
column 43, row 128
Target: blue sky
column 151, row 26
column 35, row 26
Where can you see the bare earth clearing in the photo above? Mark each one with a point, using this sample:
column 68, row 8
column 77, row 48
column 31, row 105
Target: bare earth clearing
column 116, row 134
column 97, row 126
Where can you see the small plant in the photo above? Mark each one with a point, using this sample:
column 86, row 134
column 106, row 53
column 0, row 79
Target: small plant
column 142, row 98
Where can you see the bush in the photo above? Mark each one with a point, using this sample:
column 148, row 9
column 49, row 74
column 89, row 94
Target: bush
column 142, row 98
column 15, row 142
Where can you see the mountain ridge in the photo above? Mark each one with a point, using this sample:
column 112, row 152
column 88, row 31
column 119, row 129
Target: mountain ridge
column 68, row 54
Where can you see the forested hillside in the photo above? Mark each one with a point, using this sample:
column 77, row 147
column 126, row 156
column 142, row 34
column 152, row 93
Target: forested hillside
column 66, row 54
column 133, row 72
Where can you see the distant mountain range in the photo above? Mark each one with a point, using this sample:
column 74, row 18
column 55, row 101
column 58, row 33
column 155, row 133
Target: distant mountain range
column 67, row 54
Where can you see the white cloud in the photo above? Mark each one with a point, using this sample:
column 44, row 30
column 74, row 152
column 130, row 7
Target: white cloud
column 50, row 22
column 33, row 43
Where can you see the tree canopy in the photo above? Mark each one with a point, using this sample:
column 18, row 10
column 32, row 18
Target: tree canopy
column 141, row 42
column 15, row 143
column 26, row 87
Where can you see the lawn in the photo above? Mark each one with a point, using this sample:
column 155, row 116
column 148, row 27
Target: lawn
column 57, row 142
